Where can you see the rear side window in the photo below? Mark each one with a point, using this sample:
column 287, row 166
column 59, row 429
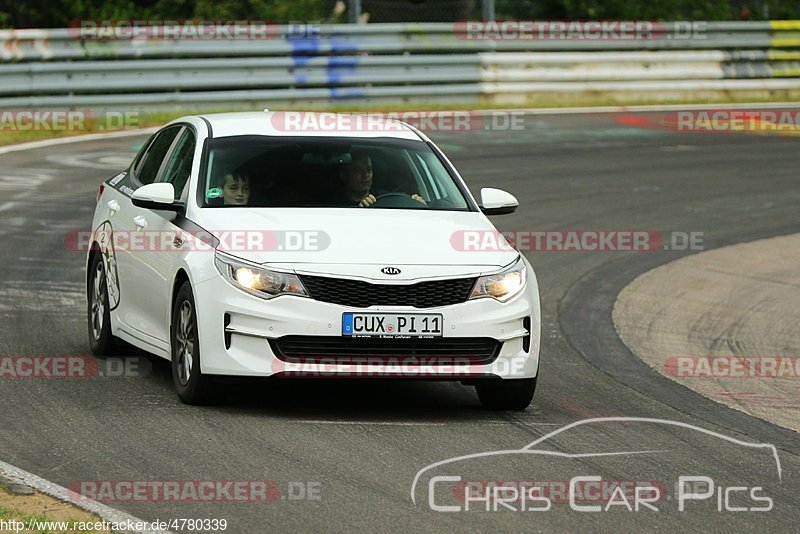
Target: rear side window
column 146, row 169
column 179, row 166
column 137, row 161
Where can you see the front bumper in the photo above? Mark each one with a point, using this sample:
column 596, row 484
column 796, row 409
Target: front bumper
column 235, row 329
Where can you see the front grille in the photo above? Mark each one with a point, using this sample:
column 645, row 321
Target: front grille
column 358, row 294
column 432, row 351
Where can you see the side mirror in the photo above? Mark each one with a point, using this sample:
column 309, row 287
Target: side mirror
column 156, row 196
column 497, row 201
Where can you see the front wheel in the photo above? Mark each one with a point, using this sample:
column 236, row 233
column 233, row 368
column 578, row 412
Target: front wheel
column 506, row 394
column 191, row 385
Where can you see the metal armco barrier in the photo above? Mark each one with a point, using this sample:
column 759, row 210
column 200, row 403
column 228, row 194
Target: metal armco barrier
column 401, row 63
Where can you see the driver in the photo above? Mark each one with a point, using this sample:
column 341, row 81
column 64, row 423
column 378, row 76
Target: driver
column 356, row 179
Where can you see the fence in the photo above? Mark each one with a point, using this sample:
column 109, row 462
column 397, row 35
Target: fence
column 401, row 63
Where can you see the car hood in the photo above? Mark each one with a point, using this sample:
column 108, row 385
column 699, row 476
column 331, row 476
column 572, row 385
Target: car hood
column 352, row 242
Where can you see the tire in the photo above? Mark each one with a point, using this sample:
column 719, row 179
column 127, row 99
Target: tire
column 507, row 394
column 101, row 341
column 191, row 385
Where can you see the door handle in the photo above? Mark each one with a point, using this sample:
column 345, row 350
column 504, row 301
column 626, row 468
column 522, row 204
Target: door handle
column 140, row 222
column 113, row 207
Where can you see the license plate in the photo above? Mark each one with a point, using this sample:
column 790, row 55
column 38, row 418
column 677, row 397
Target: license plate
column 392, row 324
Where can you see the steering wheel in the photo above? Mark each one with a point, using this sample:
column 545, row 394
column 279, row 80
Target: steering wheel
column 396, row 200
column 391, row 195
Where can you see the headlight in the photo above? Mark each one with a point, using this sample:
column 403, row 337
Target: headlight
column 262, row 282
column 503, row 285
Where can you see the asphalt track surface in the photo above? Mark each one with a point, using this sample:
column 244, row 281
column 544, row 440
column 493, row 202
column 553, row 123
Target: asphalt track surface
column 361, row 443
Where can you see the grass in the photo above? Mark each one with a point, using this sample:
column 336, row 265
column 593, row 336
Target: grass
column 40, row 507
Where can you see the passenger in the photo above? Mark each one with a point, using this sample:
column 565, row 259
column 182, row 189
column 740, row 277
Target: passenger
column 236, row 189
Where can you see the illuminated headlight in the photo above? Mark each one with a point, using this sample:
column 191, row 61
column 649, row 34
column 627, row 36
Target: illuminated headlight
column 262, row 282
column 503, row 285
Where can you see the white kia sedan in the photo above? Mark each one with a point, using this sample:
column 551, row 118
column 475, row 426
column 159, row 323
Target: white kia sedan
column 255, row 244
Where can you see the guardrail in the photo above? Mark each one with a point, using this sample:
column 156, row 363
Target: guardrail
column 396, row 62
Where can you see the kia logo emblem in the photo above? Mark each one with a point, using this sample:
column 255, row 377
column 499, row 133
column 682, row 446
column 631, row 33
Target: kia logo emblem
column 390, row 270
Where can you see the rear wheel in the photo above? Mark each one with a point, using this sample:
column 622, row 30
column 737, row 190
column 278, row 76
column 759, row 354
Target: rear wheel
column 191, row 385
column 506, row 394
column 101, row 341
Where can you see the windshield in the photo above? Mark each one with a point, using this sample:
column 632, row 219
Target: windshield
column 260, row 171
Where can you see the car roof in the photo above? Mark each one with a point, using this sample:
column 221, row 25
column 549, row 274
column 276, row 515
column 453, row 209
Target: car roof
column 306, row 124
